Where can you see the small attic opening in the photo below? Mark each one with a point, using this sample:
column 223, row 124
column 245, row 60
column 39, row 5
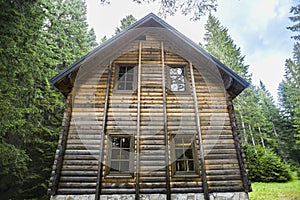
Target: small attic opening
column 141, row 37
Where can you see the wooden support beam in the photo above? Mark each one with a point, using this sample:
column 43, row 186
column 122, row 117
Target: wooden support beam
column 62, row 145
column 104, row 121
column 201, row 151
column 165, row 123
column 244, row 174
column 138, row 125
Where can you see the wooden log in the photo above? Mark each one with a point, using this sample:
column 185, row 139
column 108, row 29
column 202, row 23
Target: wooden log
column 187, row 190
column 226, row 189
column 201, row 152
column 237, row 142
column 61, row 147
column 74, row 191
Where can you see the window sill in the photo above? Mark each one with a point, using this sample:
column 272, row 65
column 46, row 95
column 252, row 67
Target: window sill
column 186, row 175
column 125, row 91
column 128, row 176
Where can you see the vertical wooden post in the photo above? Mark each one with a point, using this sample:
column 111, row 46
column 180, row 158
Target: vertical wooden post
column 238, row 145
column 138, row 124
column 165, row 123
column 104, row 120
column 62, row 144
column 203, row 171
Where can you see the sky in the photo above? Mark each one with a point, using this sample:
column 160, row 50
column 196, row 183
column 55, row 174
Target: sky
column 258, row 27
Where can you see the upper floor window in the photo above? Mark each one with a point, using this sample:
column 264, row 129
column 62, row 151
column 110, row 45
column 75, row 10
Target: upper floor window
column 120, row 158
column 184, row 156
column 125, row 77
column 177, row 78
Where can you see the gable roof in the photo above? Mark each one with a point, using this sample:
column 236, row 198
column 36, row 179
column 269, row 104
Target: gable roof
column 235, row 84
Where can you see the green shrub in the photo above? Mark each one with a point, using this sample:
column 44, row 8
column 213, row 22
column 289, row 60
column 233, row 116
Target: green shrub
column 265, row 165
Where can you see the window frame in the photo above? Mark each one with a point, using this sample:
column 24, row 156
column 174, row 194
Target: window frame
column 186, row 80
column 119, row 174
column 195, row 172
column 116, row 77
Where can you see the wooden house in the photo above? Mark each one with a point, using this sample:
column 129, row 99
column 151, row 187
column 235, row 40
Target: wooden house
column 149, row 115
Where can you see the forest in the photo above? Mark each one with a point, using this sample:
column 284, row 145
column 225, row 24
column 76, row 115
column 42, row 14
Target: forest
column 39, row 38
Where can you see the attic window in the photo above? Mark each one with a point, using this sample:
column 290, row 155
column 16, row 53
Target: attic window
column 177, row 78
column 125, row 78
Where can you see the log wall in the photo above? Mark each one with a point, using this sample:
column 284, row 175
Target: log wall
column 80, row 159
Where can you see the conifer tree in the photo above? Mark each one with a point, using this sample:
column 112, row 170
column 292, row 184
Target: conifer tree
column 125, row 23
column 255, row 124
column 38, row 39
column 289, row 88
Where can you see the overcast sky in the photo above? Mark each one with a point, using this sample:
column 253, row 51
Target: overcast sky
column 258, row 27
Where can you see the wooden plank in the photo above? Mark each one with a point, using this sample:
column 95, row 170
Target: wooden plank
column 203, row 172
column 237, row 142
column 61, row 146
column 165, row 123
column 104, row 121
column 138, row 124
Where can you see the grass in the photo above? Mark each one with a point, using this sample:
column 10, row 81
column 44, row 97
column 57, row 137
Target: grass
column 276, row 191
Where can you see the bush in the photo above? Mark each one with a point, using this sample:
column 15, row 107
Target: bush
column 265, row 166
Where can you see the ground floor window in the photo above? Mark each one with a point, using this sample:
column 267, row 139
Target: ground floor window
column 120, row 155
column 184, row 155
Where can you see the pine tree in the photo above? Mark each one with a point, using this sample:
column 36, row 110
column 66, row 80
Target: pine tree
column 19, row 26
column 289, row 89
column 220, row 45
column 38, row 38
column 125, row 23
column 259, row 120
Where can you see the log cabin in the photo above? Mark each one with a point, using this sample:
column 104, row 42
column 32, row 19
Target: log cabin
column 149, row 115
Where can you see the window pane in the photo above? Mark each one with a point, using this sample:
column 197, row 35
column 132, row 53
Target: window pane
column 115, row 154
column 181, row 87
column 122, row 70
column 114, row 166
column 125, row 142
column 121, row 86
column 125, row 154
column 125, row 166
column 174, row 87
column 129, row 77
column 189, row 154
column 178, row 153
column 121, row 77
column 173, row 71
column 191, row 165
column 116, row 142
column 179, row 71
column 180, row 165
column 129, row 86
column 129, row 69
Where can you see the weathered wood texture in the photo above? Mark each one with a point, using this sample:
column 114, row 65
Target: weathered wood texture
column 221, row 162
column 80, row 163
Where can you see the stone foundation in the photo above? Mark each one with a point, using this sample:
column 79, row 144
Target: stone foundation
column 190, row 196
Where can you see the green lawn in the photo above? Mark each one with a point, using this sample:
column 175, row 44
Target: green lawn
column 275, row 191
